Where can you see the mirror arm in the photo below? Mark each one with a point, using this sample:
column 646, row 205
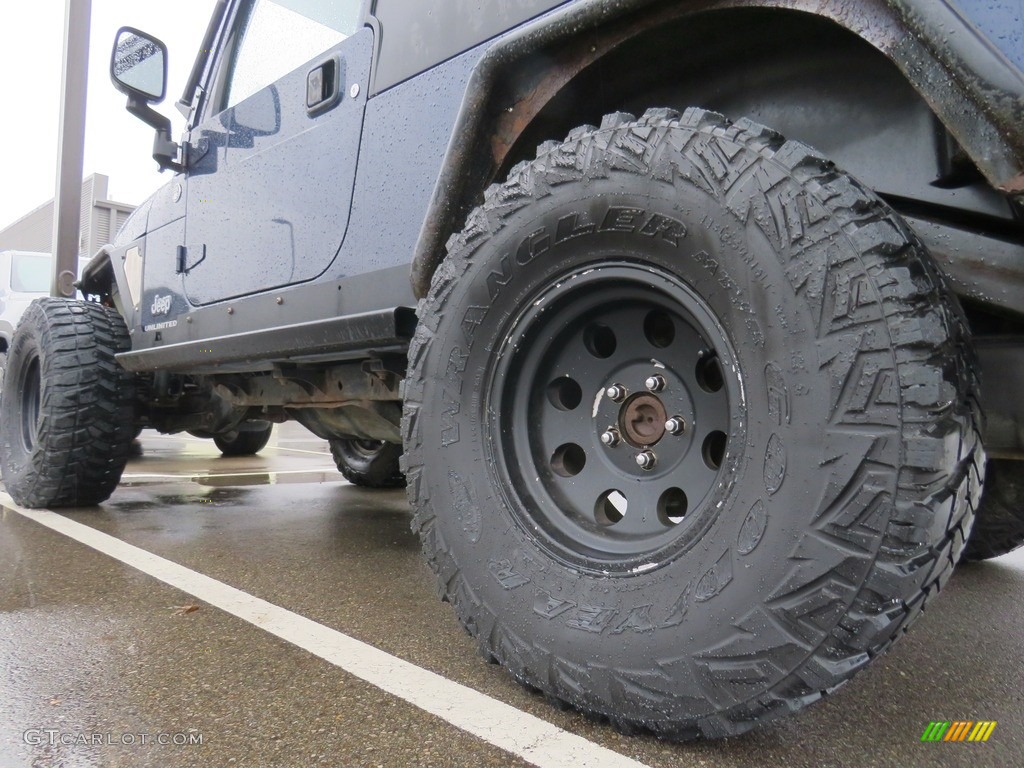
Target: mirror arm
column 165, row 148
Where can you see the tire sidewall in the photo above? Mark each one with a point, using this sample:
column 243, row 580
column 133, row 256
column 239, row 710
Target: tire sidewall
column 772, row 492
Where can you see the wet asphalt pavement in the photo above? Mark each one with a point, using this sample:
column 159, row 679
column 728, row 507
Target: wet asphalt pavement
column 93, row 650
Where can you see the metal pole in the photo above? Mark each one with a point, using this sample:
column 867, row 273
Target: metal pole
column 67, row 204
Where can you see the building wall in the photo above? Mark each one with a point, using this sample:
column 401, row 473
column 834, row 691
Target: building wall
column 101, row 218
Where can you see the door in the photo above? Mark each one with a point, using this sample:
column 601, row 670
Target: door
column 273, row 161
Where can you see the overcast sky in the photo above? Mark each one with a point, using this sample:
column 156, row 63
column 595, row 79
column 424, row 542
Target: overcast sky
column 116, row 144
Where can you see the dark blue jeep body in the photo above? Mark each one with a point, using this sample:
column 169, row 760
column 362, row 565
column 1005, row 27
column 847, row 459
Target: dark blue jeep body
column 288, row 217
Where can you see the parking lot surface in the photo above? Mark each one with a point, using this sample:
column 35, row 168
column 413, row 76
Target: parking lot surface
column 305, row 629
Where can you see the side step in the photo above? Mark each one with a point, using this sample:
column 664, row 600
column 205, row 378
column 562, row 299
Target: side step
column 371, row 330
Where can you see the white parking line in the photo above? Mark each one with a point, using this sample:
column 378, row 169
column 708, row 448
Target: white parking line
column 228, row 473
column 534, row 740
column 301, row 450
column 190, row 439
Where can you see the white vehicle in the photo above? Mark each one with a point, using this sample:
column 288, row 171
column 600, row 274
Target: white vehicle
column 24, row 276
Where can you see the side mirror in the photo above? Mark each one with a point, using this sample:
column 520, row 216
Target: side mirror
column 138, row 65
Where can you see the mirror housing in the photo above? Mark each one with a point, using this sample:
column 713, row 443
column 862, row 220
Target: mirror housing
column 138, row 68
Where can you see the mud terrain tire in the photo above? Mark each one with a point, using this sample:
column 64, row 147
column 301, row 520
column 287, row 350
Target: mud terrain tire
column 247, row 440
column 835, row 503
column 368, row 463
column 67, row 417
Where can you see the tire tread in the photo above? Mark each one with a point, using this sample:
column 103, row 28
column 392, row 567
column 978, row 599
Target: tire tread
column 940, row 478
column 87, row 410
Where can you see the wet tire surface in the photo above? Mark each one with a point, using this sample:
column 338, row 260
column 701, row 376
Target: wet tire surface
column 854, row 463
column 67, row 415
column 368, row 463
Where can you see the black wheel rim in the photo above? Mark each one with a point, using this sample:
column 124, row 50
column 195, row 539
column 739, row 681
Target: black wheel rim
column 610, row 412
column 30, row 386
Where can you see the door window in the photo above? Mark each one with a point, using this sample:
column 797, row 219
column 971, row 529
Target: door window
column 277, row 36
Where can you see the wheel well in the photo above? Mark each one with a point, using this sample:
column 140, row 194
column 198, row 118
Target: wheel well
column 800, row 74
column 803, row 75
column 865, row 83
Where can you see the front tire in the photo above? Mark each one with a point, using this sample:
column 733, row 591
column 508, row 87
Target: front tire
column 67, row 416
column 817, row 481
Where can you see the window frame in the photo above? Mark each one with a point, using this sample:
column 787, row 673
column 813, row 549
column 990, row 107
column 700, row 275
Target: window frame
column 220, row 68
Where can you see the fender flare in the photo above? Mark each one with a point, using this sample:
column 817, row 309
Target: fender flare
column 106, row 276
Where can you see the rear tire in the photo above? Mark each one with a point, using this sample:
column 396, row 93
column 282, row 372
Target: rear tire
column 67, row 418
column 999, row 522
column 368, row 463
column 814, row 492
column 248, row 440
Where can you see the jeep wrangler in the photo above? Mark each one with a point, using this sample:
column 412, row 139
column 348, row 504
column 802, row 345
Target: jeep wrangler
column 691, row 405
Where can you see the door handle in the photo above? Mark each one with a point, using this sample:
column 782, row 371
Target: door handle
column 324, row 85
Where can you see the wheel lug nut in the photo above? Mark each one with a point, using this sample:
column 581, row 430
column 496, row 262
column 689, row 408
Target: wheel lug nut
column 646, row 460
column 610, row 437
column 675, row 425
column 655, row 383
column 616, row 392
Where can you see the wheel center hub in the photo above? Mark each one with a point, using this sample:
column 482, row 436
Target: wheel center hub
column 642, row 419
